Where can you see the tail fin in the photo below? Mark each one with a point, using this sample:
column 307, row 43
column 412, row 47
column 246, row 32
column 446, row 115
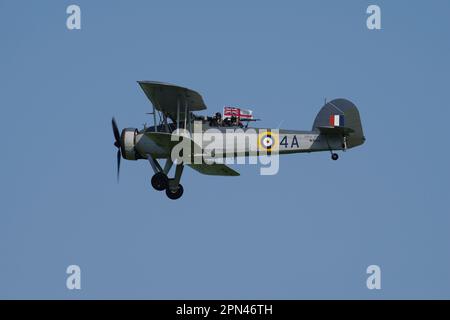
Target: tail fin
column 341, row 114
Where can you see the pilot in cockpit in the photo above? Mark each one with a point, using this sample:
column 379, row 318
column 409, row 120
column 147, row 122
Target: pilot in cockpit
column 216, row 121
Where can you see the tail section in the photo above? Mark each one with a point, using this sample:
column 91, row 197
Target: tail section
column 340, row 117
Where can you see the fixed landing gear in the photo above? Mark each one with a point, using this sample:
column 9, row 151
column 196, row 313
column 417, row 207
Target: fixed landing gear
column 160, row 181
column 335, row 156
column 175, row 194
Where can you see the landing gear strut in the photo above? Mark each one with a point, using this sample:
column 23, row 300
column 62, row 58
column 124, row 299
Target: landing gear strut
column 175, row 190
column 334, row 156
column 160, row 180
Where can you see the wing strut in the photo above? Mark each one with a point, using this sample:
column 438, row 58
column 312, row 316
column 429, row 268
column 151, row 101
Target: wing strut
column 154, row 119
column 178, row 112
column 185, row 114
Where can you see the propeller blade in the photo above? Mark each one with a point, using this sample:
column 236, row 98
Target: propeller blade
column 116, row 133
column 118, row 164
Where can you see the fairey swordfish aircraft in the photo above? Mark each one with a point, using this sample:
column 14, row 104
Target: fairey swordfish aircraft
column 337, row 127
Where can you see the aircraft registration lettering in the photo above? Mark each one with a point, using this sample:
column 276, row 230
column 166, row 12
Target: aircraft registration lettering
column 291, row 143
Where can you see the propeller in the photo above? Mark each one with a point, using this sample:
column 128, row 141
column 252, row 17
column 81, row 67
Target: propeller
column 117, row 144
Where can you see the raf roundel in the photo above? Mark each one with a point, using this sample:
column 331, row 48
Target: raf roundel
column 267, row 141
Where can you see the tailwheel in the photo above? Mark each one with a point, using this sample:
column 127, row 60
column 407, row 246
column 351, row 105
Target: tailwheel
column 160, row 181
column 175, row 194
column 334, row 156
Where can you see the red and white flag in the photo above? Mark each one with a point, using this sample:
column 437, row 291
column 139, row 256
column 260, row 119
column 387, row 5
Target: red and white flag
column 239, row 113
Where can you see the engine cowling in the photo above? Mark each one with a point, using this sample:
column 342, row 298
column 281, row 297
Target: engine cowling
column 128, row 144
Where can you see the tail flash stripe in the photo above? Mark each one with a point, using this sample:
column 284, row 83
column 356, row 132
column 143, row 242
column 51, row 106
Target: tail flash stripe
column 332, row 120
column 336, row 121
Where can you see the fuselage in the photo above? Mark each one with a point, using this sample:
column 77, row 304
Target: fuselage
column 234, row 141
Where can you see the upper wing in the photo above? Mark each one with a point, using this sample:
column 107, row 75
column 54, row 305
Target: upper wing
column 216, row 169
column 166, row 98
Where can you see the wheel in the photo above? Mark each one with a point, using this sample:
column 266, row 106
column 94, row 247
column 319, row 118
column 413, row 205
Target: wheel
column 160, row 181
column 174, row 195
column 334, row 156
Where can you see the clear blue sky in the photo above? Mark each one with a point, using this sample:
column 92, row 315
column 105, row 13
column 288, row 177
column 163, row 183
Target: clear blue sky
column 308, row 232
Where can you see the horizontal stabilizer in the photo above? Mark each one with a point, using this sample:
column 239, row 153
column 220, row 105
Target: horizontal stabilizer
column 335, row 130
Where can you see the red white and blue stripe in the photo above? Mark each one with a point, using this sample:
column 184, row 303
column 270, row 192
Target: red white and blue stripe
column 336, row 120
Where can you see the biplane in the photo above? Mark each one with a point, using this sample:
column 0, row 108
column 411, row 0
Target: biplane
column 337, row 126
